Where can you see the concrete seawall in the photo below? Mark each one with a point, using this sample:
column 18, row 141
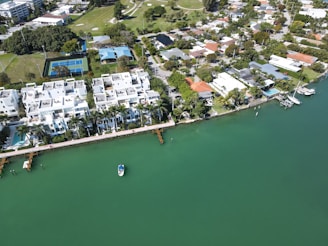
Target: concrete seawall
column 87, row 140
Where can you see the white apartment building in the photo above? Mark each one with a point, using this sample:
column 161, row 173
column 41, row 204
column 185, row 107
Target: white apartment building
column 129, row 89
column 30, row 3
column 8, row 102
column 52, row 104
column 14, row 10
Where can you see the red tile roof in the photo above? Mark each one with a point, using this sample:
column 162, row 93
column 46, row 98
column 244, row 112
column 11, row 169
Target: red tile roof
column 302, row 57
column 212, row 46
column 201, row 86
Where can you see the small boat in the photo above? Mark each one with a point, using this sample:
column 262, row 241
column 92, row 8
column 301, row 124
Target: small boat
column 120, row 170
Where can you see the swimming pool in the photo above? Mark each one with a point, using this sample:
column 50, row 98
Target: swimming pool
column 18, row 140
column 271, row 92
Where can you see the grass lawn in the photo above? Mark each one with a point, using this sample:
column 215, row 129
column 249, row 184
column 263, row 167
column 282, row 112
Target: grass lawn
column 190, row 4
column 21, row 65
column 5, row 60
column 310, row 73
column 96, row 19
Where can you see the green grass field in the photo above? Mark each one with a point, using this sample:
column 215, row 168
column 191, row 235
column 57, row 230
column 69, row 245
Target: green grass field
column 18, row 66
column 96, row 20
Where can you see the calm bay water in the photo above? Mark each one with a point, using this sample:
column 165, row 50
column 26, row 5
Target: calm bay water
column 235, row 180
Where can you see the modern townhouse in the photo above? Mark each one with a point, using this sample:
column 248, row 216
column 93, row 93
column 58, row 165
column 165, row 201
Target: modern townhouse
column 52, row 104
column 9, row 102
column 128, row 89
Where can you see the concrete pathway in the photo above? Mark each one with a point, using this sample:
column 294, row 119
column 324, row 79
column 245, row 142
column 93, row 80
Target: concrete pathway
column 87, row 139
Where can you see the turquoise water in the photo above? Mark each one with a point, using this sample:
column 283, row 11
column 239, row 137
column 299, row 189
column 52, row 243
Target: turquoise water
column 234, row 180
column 18, row 140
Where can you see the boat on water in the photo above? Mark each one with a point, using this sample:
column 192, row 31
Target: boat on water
column 120, row 170
column 305, row 91
column 293, row 99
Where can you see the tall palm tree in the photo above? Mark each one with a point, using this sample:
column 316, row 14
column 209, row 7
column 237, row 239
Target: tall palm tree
column 113, row 111
column 161, row 109
column 140, row 108
column 74, row 125
column 122, row 110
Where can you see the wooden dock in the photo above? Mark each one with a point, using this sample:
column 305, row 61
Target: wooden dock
column 2, row 163
column 28, row 164
column 159, row 135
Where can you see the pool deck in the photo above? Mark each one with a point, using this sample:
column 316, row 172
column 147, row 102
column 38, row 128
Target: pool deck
column 73, row 142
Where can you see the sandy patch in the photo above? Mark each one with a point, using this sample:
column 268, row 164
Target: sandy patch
column 95, row 29
column 81, row 24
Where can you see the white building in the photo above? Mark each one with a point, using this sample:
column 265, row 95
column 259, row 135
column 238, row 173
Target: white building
column 8, row 102
column 30, row 3
column 224, row 83
column 14, row 10
column 284, row 63
column 49, row 21
column 129, row 89
column 314, row 13
column 54, row 103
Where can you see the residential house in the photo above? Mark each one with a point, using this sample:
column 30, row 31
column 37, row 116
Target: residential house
column 284, row 63
column 305, row 60
column 9, row 102
column 314, row 13
column 225, row 42
column 52, row 104
column 203, row 89
column 174, row 52
column 162, row 41
column 268, row 69
column 224, row 83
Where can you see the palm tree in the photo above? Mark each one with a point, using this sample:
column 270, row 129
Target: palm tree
column 74, row 122
column 161, row 109
column 22, row 130
column 122, row 110
column 140, row 108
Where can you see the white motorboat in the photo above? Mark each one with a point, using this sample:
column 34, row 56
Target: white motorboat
column 120, row 170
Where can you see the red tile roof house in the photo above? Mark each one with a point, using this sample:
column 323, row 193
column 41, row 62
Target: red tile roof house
column 201, row 86
column 212, row 46
column 305, row 60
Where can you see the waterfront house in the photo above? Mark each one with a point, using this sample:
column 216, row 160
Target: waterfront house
column 305, row 60
column 224, row 83
column 268, row 69
column 285, row 63
column 8, row 102
column 52, row 104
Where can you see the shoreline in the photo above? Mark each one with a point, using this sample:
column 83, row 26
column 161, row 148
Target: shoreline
column 90, row 139
column 112, row 135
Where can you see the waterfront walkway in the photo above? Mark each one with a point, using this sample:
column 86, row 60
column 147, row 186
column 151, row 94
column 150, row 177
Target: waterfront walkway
column 87, row 139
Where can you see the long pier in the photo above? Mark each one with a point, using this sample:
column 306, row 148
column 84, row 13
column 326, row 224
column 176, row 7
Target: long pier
column 159, row 135
column 2, row 164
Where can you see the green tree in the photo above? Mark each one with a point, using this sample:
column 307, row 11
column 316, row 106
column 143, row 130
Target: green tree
column 4, row 79
column 211, row 58
column 123, row 63
column 232, row 50
column 209, row 4
column 71, row 46
column 118, row 8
